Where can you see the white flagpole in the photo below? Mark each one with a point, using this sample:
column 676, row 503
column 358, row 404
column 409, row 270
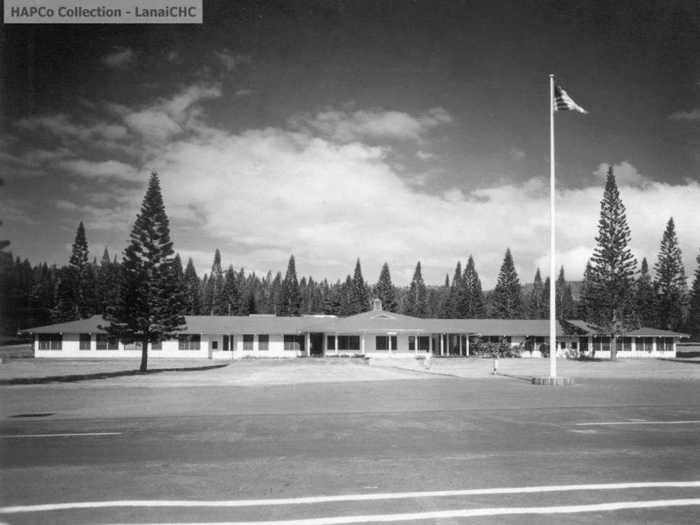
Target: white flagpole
column 552, row 240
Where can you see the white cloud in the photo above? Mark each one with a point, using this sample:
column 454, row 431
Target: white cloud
column 230, row 61
column 343, row 126
column 693, row 114
column 103, row 169
column 262, row 194
column 425, row 155
column 120, row 58
column 625, row 174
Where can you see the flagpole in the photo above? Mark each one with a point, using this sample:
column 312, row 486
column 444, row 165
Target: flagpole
column 552, row 240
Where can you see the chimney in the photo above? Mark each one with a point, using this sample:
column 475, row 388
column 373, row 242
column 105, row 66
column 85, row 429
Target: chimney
column 377, row 305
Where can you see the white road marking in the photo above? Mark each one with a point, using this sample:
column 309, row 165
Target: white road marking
column 639, row 422
column 73, row 434
column 343, row 497
column 465, row 513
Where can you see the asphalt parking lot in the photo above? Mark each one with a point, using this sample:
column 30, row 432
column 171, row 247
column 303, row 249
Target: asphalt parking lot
column 409, row 447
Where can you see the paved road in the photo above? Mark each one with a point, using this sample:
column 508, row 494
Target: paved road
column 300, row 441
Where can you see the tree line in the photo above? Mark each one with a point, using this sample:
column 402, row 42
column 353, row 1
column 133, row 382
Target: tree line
column 612, row 294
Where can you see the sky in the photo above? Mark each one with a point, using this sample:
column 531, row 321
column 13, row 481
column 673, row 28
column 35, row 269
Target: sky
column 391, row 131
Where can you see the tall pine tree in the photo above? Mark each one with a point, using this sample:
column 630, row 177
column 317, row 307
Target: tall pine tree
column 150, row 302
column 669, row 282
column 192, row 288
column 452, row 305
column 358, row 295
column 506, row 300
column 613, row 265
column 290, row 296
column 644, row 297
column 385, row 291
column 417, row 298
column 536, row 305
column 81, row 274
column 565, row 298
column 228, row 301
column 472, row 296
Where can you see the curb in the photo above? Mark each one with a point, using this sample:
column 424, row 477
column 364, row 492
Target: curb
column 553, row 381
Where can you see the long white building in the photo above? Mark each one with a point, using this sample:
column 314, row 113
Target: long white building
column 376, row 333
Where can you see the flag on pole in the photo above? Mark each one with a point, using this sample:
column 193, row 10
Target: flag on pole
column 563, row 102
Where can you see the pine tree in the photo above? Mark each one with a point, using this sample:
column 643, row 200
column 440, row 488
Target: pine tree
column 692, row 325
column 107, row 283
column 192, row 288
column 417, row 298
column 290, row 296
column 65, row 307
column 644, row 297
column 228, row 301
column 452, row 305
column 613, row 265
column 276, row 294
column 358, row 297
column 670, row 282
column 80, row 273
column 536, row 306
column 565, row 299
column 333, row 303
column 589, row 297
column 150, row 302
column 506, row 300
column 385, row 291
column 472, row 296
column 214, row 288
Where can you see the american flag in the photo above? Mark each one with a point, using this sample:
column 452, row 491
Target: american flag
column 563, row 102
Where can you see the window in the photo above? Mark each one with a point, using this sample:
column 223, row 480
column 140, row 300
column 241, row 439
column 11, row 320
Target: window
column 644, row 344
column 424, row 343
column 293, row 342
column 385, row 342
column 215, row 345
column 188, row 342
column 85, row 341
column 106, row 342
column 584, row 344
column 157, row 345
column 263, row 342
column 248, row 340
column 411, row 342
column 50, row 341
column 330, row 342
column 624, row 344
column 348, row 342
column 228, row 343
column 601, row 344
column 664, row 344
column 135, row 345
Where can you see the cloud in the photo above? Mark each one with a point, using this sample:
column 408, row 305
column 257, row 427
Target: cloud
column 693, row 114
column 103, row 169
column 342, row 126
column 425, row 155
column 625, row 174
column 244, row 92
column 230, row 61
column 120, row 58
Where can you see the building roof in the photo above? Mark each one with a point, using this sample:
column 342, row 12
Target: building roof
column 366, row 322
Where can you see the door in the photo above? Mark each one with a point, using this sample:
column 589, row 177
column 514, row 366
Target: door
column 316, row 342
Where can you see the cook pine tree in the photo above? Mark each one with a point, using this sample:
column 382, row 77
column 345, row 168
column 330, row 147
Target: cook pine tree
column 613, row 267
column 670, row 284
column 471, row 298
column 290, row 295
column 644, row 297
column 417, row 297
column 385, row 291
column 506, row 301
column 151, row 302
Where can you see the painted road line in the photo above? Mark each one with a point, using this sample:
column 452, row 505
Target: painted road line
column 639, row 422
column 72, row 434
column 342, row 498
column 464, row 513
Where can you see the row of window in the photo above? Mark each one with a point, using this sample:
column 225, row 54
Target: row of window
column 341, row 343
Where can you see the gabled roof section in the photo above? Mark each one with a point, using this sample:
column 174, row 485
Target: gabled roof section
column 81, row 326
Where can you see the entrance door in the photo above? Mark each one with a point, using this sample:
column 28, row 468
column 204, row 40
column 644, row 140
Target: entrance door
column 316, row 341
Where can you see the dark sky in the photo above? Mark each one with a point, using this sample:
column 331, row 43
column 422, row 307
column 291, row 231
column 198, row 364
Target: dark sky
column 444, row 103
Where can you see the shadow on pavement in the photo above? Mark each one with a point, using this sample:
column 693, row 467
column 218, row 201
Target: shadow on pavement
column 527, row 379
column 72, row 378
